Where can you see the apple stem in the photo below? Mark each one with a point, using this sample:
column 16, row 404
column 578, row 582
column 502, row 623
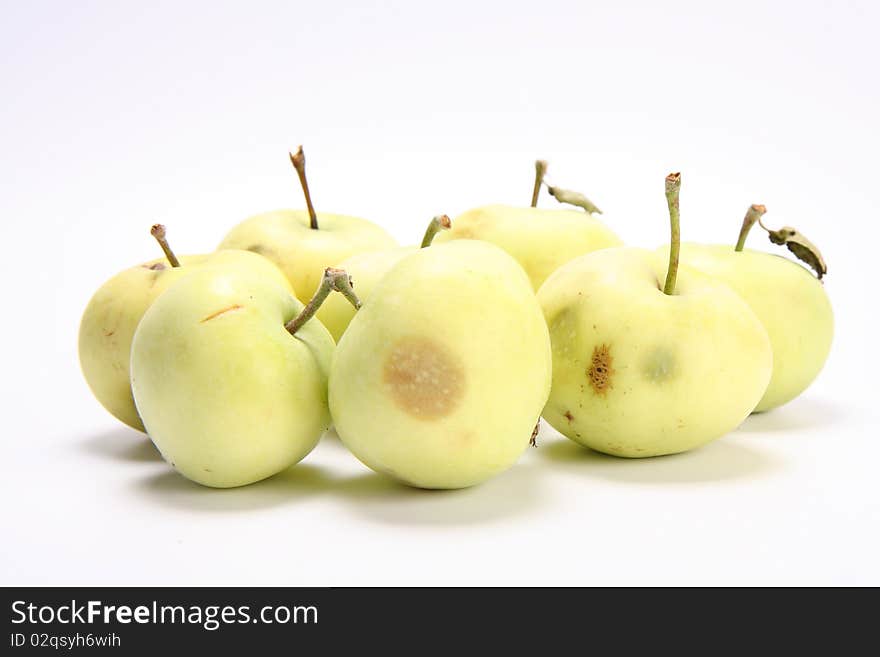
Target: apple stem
column 158, row 231
column 298, row 160
column 540, row 172
column 673, row 187
column 754, row 214
column 334, row 280
column 438, row 223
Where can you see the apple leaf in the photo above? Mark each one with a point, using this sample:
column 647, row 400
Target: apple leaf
column 803, row 248
column 573, row 198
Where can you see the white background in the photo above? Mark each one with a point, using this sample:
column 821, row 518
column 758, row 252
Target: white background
column 117, row 115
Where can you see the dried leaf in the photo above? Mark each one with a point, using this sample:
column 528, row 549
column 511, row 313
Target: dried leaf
column 573, row 198
column 803, row 248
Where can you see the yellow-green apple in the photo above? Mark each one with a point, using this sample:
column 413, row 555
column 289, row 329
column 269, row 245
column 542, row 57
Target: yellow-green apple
column 649, row 358
column 539, row 239
column 113, row 313
column 790, row 302
column 229, row 374
column 441, row 376
column 305, row 242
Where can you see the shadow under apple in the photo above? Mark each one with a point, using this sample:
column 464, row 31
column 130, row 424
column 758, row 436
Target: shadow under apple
column 800, row 414
column 717, row 461
column 516, row 492
column 375, row 496
column 299, row 482
column 121, row 444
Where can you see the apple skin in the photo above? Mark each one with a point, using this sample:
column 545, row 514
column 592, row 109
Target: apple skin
column 113, row 313
column 301, row 252
column 640, row 373
column 228, row 396
column 790, row 302
column 442, row 374
column 539, row 239
column 366, row 270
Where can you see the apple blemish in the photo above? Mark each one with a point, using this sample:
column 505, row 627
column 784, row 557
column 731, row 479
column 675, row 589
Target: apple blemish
column 424, row 378
column 600, row 371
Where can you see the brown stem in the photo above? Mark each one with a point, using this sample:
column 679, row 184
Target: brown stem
column 334, row 279
column 158, row 231
column 540, row 172
column 673, row 187
column 438, row 223
column 754, row 214
column 298, row 160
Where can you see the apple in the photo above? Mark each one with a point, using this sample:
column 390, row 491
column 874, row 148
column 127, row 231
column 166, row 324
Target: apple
column 113, row 313
column 649, row 358
column 441, row 376
column 304, row 242
column 539, row 239
column 366, row 270
column 229, row 374
column 790, row 302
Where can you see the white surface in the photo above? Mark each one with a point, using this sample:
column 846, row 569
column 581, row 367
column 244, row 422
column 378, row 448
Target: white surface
column 115, row 117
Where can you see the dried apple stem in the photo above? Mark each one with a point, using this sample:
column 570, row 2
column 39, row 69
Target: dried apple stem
column 298, row 160
column 754, row 214
column 334, row 280
column 158, row 231
column 673, row 187
column 540, row 171
column 438, row 223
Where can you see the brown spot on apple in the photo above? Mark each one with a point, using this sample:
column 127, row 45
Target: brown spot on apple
column 423, row 377
column 600, row 372
column 568, row 416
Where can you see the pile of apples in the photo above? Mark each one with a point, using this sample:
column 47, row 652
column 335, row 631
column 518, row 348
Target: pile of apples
column 435, row 364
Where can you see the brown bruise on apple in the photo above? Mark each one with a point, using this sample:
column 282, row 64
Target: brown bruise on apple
column 600, row 372
column 424, row 379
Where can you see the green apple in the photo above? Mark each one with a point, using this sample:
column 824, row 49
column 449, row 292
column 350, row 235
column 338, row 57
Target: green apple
column 304, row 242
column 539, row 239
column 441, row 376
column 113, row 313
column 790, row 302
column 366, row 270
column 229, row 373
column 643, row 367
